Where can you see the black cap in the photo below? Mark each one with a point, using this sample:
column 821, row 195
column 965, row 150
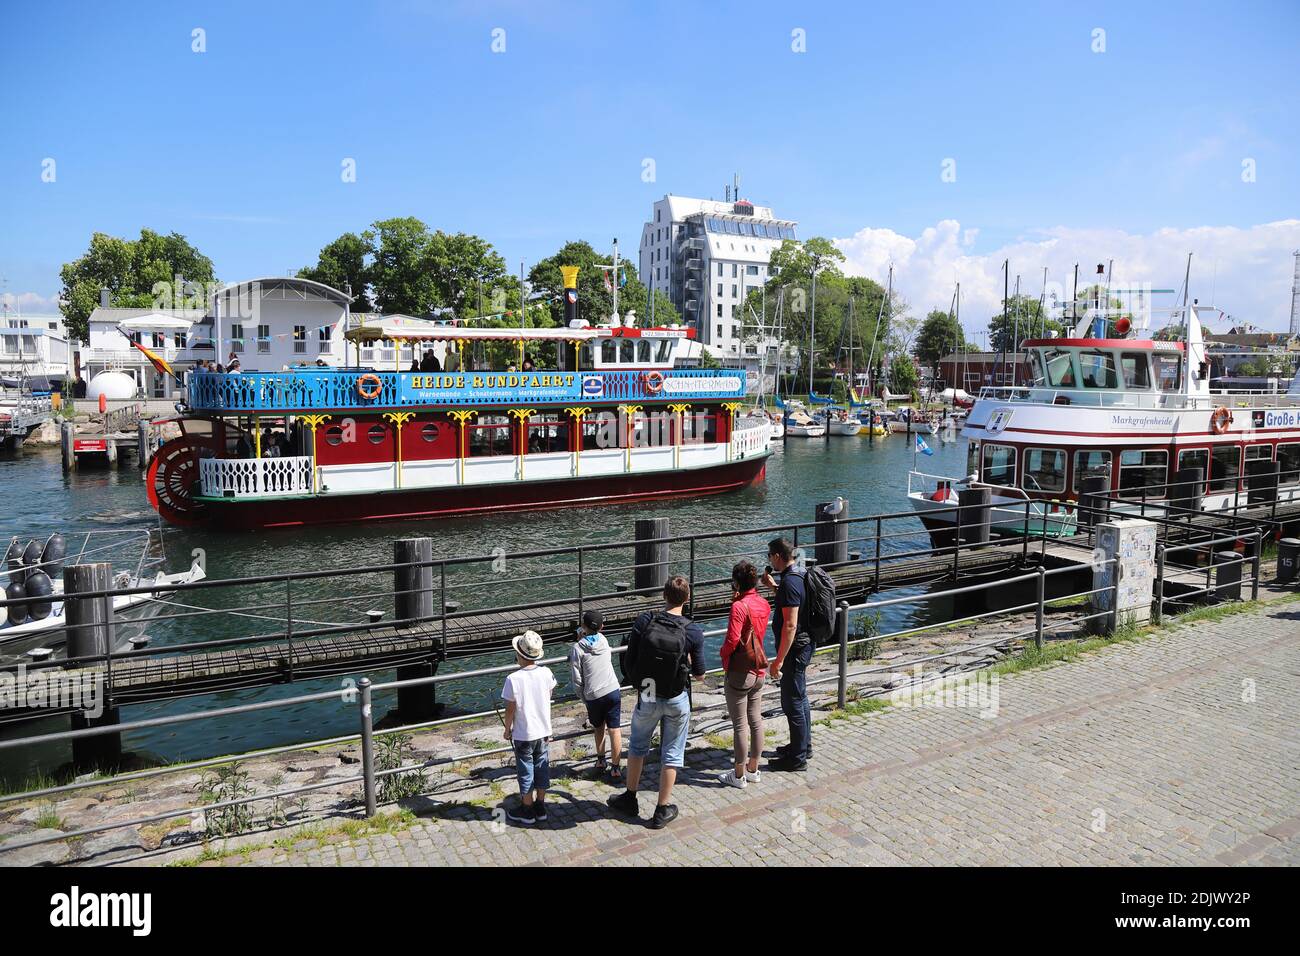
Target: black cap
column 592, row 621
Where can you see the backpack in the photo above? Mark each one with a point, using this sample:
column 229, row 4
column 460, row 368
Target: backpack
column 662, row 657
column 819, row 603
column 749, row 654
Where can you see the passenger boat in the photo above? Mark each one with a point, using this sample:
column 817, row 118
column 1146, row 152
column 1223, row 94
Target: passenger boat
column 1134, row 414
column 620, row 420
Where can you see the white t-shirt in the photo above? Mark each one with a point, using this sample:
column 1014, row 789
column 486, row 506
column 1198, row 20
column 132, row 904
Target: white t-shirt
column 530, row 688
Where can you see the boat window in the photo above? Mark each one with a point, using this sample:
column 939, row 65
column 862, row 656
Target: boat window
column 1060, row 368
column 1194, row 458
column 643, row 351
column 699, row 426
column 1090, row 463
column 1259, row 452
column 663, row 351
column 1044, row 470
column 600, row 431
column 627, row 351
column 490, row 435
column 1137, row 373
column 972, row 458
column 1035, row 370
column 1225, row 467
column 429, row 432
column 547, row 433
column 1169, row 371
column 999, row 465
column 1098, row 370
column 334, row 435
column 377, row 434
column 586, row 353
column 608, row 352
column 1288, row 460
column 1140, row 470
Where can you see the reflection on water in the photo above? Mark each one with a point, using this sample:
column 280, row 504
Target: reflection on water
column 40, row 499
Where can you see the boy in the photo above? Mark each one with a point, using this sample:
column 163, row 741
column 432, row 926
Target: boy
column 527, row 694
column 592, row 668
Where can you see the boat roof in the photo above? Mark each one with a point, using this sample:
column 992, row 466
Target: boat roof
column 1132, row 344
column 411, row 329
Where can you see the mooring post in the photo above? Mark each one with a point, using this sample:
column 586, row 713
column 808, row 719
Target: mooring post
column 1254, row 565
column 1288, row 560
column 831, row 533
column 413, row 607
column 367, row 747
column 652, row 555
column 66, row 436
column 975, row 509
column 91, row 634
column 1038, row 608
column 1158, row 608
column 842, row 636
column 1227, row 575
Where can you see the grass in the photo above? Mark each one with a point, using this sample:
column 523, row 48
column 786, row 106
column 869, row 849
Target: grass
column 49, row 819
column 352, row 829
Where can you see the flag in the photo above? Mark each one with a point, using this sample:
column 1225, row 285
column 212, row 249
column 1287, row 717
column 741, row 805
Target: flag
column 922, row 447
column 160, row 364
column 609, row 287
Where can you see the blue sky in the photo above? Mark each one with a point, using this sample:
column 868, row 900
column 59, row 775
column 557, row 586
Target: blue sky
column 1061, row 152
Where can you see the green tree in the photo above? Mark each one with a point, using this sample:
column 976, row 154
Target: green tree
column 400, row 275
column 595, row 302
column 137, row 273
column 902, row 374
column 940, row 335
column 1025, row 314
column 459, row 263
column 343, row 264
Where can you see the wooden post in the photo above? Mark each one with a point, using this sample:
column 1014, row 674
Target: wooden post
column 414, row 599
column 90, row 634
column 652, row 557
column 68, row 434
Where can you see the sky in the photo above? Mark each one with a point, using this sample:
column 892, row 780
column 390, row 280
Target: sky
column 939, row 138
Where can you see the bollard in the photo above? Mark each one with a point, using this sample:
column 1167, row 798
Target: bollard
column 1227, row 575
column 1038, row 608
column 1094, row 500
column 66, row 436
column 91, row 634
column 831, row 532
column 367, row 747
column 1288, row 560
column 651, row 556
column 842, row 636
column 414, row 600
column 974, row 513
column 1261, row 481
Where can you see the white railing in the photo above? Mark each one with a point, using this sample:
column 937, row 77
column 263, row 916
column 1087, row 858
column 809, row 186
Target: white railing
column 254, row 477
column 1112, row 398
column 750, row 437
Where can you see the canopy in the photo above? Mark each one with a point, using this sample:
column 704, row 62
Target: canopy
column 156, row 320
column 405, row 328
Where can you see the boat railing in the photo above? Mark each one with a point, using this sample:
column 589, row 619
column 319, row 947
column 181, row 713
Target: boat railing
column 751, row 436
column 1112, row 398
column 255, row 477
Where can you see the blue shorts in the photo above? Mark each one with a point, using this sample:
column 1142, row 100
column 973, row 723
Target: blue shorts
column 675, row 715
column 606, row 711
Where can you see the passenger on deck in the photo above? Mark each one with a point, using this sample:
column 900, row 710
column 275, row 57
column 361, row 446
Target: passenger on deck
column 430, row 362
column 232, row 366
column 451, row 362
column 243, row 447
column 528, row 363
column 415, row 364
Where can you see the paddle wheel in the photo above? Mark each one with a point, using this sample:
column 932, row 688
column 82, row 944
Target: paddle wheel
column 173, row 478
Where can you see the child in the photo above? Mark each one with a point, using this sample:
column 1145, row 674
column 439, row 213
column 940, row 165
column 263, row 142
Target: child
column 527, row 694
column 593, row 676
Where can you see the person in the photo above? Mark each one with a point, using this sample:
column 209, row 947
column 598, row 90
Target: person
column 232, row 364
column 665, row 651
column 528, row 363
column 592, row 667
column 451, row 361
column 321, row 363
column 415, row 364
column 243, row 447
column 794, row 650
column 745, row 662
column 527, row 724
column 430, row 362
column 511, row 367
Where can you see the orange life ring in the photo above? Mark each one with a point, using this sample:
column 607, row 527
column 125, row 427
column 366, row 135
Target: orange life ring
column 654, row 382
column 377, row 386
column 1220, row 420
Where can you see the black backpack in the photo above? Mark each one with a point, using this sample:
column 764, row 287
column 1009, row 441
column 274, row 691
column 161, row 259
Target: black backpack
column 662, row 659
column 818, row 603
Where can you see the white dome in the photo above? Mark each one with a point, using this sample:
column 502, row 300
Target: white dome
column 112, row 385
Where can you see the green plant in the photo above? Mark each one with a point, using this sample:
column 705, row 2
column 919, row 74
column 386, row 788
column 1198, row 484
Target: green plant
column 393, row 752
column 866, row 630
column 219, row 786
column 49, row 819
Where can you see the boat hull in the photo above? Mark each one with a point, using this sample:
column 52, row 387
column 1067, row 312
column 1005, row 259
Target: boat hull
column 449, row 502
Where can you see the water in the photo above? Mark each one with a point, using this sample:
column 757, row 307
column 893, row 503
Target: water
column 872, row 477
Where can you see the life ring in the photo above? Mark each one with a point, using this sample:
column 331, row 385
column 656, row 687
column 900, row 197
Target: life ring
column 376, row 386
column 1220, row 420
column 654, row 382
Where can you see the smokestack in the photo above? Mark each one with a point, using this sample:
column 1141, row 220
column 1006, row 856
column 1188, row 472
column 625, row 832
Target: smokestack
column 103, row 297
column 570, row 274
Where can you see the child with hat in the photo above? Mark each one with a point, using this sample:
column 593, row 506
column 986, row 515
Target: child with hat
column 527, row 693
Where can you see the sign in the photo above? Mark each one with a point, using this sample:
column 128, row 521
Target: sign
column 90, row 444
column 1275, row 418
column 1129, row 420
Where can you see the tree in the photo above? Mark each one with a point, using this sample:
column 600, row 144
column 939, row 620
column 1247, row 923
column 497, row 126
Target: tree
column 902, row 374
column 1024, row 314
column 400, row 274
column 595, row 302
column 137, row 273
column 342, row 264
column 940, row 335
column 459, row 263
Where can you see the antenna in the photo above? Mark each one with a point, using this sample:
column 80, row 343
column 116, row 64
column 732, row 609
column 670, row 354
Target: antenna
column 1295, row 297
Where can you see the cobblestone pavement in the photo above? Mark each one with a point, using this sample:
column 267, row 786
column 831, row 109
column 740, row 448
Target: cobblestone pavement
column 1182, row 748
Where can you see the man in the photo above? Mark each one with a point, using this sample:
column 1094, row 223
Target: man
column 794, row 650
column 665, row 651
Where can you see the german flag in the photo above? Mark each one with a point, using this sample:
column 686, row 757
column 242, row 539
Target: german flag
column 160, row 364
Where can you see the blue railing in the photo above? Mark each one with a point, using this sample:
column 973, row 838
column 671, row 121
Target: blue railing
column 319, row 388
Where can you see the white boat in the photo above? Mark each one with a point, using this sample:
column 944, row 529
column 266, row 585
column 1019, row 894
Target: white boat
column 840, row 423
column 911, row 422
column 1135, row 417
column 801, row 425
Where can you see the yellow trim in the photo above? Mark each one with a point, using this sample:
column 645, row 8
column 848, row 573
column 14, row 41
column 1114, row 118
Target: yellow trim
column 629, row 411
column 521, row 415
column 314, row 422
column 462, row 417
column 679, row 409
column 257, row 436
column 399, row 419
column 577, row 413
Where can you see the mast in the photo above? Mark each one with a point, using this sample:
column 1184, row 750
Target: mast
column 1187, row 330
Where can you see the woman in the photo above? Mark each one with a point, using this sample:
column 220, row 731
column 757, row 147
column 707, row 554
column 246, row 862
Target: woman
column 745, row 663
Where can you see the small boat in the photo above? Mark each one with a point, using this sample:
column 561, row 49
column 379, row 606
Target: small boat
column 910, row 421
column 841, row 423
column 801, row 425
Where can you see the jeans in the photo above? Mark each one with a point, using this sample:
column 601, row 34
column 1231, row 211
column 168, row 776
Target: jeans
column 532, row 764
column 794, row 696
column 675, row 714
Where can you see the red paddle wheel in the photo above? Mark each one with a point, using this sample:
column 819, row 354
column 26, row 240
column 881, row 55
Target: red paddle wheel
column 173, row 479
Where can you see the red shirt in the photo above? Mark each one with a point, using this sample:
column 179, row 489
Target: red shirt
column 751, row 606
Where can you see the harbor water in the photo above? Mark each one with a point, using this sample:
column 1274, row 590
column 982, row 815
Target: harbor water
column 871, row 476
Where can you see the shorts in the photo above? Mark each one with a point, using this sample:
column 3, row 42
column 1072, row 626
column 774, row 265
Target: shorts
column 606, row 711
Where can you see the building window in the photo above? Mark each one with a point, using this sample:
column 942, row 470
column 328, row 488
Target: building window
column 323, row 338
column 236, row 338
column 733, row 270
column 734, row 293
column 719, row 276
column 264, row 338
column 719, row 327
column 300, row 338
column 719, row 291
column 751, row 270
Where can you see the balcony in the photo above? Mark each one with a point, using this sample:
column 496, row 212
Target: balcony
column 254, row 477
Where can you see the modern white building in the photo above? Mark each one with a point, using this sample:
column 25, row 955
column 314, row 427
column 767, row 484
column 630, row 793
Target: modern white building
column 35, row 345
column 706, row 256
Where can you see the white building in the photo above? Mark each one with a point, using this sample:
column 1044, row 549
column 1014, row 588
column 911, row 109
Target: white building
column 706, row 256
column 33, row 344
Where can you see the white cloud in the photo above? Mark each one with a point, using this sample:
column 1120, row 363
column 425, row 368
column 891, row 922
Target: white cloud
column 29, row 303
column 1246, row 272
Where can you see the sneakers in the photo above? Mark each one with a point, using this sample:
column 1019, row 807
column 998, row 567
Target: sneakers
column 539, row 810
column 728, row 778
column 665, row 814
column 753, row 776
column 521, row 814
column 624, row 802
